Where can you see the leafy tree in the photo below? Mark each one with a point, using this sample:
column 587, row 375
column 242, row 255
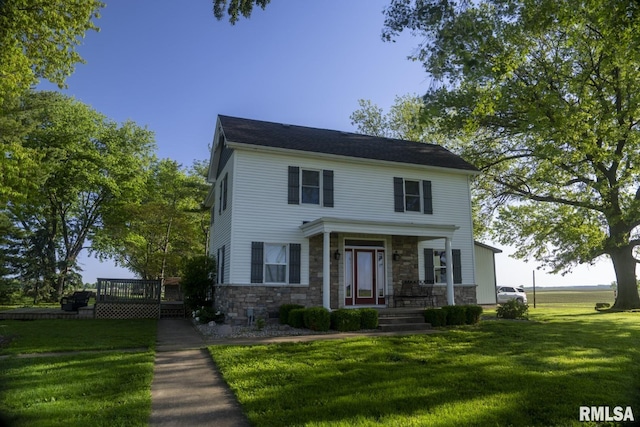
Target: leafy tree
column 236, row 8
column 161, row 229
column 404, row 121
column 38, row 39
column 553, row 89
column 88, row 165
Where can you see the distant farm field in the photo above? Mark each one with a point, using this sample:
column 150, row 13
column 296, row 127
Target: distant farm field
column 573, row 298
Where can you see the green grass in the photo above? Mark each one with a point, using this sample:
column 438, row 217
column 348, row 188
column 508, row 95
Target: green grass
column 581, row 298
column 497, row 373
column 102, row 389
column 55, row 335
column 111, row 387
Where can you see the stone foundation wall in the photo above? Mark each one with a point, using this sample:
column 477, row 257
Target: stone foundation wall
column 405, row 268
column 265, row 301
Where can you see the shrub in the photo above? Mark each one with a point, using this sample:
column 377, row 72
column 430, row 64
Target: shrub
column 456, row 314
column 208, row 314
column 368, row 318
column 344, row 320
column 473, row 313
column 513, row 310
column 317, row 318
column 435, row 316
column 283, row 312
column 296, row 318
column 198, row 275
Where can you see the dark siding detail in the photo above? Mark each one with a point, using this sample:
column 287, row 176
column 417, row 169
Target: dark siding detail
column 457, row 266
column 398, row 194
column 257, row 260
column 294, row 185
column 295, row 250
column 327, row 188
column 426, row 197
column 429, row 273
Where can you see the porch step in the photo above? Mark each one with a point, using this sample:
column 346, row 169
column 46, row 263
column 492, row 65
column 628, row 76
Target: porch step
column 394, row 320
column 172, row 310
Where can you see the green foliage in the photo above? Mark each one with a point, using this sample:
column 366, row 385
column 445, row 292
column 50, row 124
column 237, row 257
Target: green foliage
column 164, row 226
column 368, row 318
column 456, row 314
column 260, row 323
column 87, row 166
column 550, row 93
column 512, row 309
column 317, row 318
column 283, row 312
column 39, row 41
column 10, row 291
column 472, row 313
column 236, row 8
column 435, row 316
column 296, row 318
column 206, row 314
column 198, row 280
column 345, row 320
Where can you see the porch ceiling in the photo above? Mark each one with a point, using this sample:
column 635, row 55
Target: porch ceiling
column 347, row 225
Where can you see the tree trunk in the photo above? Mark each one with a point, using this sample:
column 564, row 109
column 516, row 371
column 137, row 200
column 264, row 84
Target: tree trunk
column 624, row 264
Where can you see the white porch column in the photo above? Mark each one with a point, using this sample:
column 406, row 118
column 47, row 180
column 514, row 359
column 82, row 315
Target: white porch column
column 326, row 271
column 449, row 255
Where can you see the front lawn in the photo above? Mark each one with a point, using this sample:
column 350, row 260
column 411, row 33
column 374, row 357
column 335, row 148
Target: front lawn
column 54, row 335
column 497, row 373
column 109, row 386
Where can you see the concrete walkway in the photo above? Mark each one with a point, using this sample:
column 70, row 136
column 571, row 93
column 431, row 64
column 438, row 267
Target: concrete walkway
column 187, row 389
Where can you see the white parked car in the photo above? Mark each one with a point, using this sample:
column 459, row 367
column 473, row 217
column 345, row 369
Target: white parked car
column 507, row 293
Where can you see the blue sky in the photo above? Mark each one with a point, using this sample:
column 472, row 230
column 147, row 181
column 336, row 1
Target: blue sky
column 171, row 66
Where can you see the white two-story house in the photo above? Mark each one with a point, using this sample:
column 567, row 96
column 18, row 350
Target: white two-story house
column 335, row 219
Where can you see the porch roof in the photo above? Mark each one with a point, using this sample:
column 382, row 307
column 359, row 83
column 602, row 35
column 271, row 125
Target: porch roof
column 348, row 225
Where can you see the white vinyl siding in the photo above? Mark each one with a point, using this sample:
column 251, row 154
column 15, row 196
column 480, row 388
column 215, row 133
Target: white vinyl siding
column 258, row 197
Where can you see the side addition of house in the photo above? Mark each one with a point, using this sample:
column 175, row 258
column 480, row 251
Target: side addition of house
column 327, row 218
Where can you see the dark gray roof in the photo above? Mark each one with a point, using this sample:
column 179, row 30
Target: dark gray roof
column 277, row 135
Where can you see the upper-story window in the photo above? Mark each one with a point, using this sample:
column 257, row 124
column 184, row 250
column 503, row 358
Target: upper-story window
column 310, row 186
column 412, row 195
column 222, row 195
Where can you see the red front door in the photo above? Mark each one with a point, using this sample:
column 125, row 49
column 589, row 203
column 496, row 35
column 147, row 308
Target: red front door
column 364, row 276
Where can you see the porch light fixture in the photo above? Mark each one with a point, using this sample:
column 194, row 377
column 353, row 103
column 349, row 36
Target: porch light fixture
column 396, row 256
column 337, row 255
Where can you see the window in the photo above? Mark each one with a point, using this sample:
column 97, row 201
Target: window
column 310, row 187
column 412, row 195
column 220, row 265
column 222, row 195
column 435, row 266
column 275, row 263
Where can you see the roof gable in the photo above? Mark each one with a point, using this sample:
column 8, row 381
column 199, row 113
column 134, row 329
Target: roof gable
column 301, row 138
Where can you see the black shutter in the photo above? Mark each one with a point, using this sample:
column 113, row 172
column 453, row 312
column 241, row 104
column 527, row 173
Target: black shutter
column 224, row 191
column 294, row 185
column 398, row 194
column 429, row 273
column 426, row 197
column 257, row 260
column 294, row 262
column 327, row 188
column 457, row 266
